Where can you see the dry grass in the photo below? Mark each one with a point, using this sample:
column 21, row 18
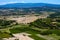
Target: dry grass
column 26, row 19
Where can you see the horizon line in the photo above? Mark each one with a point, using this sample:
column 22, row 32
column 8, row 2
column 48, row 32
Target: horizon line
column 25, row 3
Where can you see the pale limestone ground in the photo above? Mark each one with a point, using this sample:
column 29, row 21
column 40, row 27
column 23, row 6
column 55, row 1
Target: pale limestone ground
column 26, row 19
column 20, row 36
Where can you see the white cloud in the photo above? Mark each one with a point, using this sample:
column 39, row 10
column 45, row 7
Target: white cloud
column 23, row 2
column 3, row 3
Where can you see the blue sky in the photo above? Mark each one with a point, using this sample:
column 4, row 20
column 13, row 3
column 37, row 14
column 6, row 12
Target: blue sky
column 29, row 1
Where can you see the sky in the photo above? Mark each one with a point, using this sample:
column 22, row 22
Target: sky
column 2, row 2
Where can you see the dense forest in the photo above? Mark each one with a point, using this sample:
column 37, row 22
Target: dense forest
column 46, row 23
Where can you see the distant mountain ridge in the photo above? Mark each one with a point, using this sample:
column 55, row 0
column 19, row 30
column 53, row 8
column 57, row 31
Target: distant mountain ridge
column 29, row 5
column 30, row 8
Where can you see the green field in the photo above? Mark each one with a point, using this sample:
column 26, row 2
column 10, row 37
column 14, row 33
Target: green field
column 41, row 29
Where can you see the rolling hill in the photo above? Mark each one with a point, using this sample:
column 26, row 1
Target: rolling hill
column 29, row 8
column 29, row 5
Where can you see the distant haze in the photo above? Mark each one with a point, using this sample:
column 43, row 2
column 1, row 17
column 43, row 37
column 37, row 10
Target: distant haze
column 2, row 2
